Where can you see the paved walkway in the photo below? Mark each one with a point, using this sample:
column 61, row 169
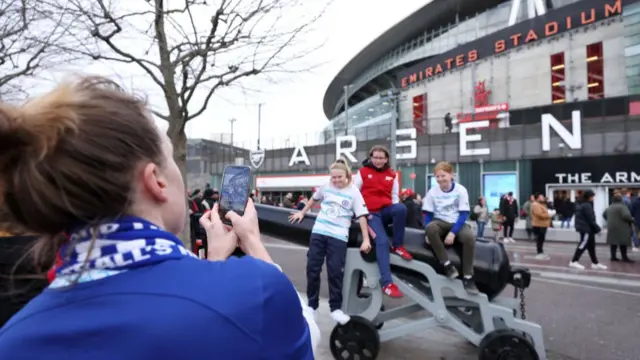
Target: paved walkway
column 586, row 315
column 431, row 344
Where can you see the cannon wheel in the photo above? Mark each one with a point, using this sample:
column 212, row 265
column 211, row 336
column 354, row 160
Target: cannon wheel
column 356, row 339
column 506, row 344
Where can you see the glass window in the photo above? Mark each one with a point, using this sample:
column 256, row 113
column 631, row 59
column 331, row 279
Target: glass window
column 632, row 60
column 632, row 29
column 632, row 50
column 631, row 19
column 420, row 112
column 632, row 40
column 595, row 71
column 633, row 70
column 631, row 9
column 558, row 90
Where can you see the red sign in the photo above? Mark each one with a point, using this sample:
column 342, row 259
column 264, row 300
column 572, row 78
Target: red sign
column 413, row 176
column 483, row 110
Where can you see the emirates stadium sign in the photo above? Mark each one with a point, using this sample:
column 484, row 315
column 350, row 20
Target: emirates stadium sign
column 555, row 22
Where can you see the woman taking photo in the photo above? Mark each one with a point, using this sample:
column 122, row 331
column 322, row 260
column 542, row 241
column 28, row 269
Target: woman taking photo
column 87, row 160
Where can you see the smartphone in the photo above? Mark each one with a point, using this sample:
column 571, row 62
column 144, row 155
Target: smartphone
column 234, row 192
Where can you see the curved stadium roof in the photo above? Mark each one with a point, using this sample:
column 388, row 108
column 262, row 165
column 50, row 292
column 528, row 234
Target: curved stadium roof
column 433, row 15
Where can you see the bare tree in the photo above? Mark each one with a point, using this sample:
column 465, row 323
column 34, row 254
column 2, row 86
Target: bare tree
column 193, row 48
column 28, row 36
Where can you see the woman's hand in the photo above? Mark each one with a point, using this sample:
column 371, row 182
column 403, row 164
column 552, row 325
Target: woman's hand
column 248, row 232
column 366, row 246
column 296, row 217
column 220, row 242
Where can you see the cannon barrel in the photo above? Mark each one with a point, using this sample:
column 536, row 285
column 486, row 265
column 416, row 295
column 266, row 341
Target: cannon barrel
column 491, row 265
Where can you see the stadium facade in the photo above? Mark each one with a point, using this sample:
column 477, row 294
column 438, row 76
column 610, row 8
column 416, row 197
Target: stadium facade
column 522, row 95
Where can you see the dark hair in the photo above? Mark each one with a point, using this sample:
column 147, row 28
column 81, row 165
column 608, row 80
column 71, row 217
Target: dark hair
column 587, row 195
column 208, row 192
column 480, row 200
column 69, row 156
column 341, row 161
column 379, row 148
column 510, row 193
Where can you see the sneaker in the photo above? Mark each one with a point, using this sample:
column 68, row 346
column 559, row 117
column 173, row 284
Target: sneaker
column 542, row 257
column 635, row 249
column 340, row 317
column 512, row 241
column 451, row 271
column 402, row 252
column 470, row 286
column 576, row 265
column 392, row 291
column 598, row 267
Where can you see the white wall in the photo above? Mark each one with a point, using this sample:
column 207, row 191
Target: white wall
column 522, row 77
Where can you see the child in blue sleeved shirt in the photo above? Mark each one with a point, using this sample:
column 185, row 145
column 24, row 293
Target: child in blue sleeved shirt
column 446, row 208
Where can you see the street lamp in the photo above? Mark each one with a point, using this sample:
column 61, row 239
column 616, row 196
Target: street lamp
column 346, row 108
column 231, row 121
column 392, row 95
column 259, row 121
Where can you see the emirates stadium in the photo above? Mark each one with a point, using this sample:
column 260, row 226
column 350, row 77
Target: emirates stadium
column 522, row 95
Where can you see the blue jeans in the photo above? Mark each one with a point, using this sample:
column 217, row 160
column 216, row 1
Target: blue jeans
column 634, row 237
column 565, row 221
column 481, row 225
column 396, row 215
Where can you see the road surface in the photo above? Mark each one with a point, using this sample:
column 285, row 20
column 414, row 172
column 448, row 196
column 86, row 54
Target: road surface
column 586, row 315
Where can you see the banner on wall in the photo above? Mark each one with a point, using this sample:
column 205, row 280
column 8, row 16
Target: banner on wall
column 496, row 185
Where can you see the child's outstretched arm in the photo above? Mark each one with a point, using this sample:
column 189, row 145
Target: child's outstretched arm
column 308, row 207
column 364, row 228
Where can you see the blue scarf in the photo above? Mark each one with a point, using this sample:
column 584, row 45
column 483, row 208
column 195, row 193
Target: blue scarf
column 121, row 245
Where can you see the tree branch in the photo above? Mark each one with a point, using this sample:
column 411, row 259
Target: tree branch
column 194, row 49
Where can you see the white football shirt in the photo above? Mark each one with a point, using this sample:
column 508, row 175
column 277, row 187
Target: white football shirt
column 337, row 207
column 446, row 206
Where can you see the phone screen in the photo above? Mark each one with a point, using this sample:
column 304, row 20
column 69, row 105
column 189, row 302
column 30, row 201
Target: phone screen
column 235, row 190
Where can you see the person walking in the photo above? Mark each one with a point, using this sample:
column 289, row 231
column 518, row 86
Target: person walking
column 588, row 228
column 526, row 211
column 509, row 209
column 540, row 222
column 619, row 228
column 481, row 213
column 635, row 212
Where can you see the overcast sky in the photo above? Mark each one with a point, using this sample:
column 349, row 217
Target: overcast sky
column 293, row 106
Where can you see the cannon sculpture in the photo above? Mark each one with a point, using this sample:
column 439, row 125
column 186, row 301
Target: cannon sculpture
column 496, row 325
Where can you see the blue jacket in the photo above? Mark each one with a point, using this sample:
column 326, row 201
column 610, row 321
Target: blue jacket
column 179, row 309
column 635, row 211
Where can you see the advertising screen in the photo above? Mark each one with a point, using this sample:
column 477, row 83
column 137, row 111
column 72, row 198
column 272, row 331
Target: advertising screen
column 496, row 185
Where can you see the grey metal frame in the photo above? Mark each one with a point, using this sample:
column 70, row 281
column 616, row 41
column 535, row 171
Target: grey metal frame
column 472, row 316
